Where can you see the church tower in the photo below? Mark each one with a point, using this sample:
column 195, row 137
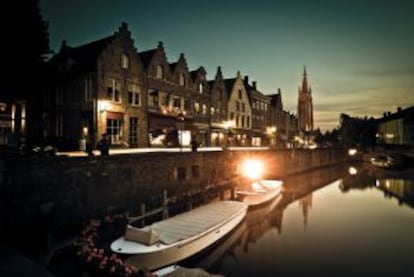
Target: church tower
column 305, row 106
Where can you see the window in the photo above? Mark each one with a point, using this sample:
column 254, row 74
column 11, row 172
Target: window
column 134, row 96
column 160, row 72
column 200, row 88
column 153, row 99
column 231, row 116
column 212, row 110
column 237, row 106
column 182, row 79
column 242, row 121
column 248, row 121
column 164, row 99
column 114, row 129
column 181, row 173
column 196, row 107
column 187, row 105
column 177, row 102
column 240, row 94
column 113, row 91
column 204, row 109
column 88, row 88
column 124, row 61
column 133, row 131
column 243, row 107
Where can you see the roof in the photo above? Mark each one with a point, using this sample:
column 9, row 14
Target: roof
column 229, row 83
column 146, row 56
column 401, row 113
column 82, row 58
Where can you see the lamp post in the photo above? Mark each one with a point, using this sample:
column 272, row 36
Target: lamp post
column 227, row 125
column 180, row 124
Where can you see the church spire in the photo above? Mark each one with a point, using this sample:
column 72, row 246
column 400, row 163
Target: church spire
column 305, row 105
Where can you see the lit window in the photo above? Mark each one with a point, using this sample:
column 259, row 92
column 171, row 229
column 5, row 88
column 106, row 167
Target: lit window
column 113, row 91
column 124, row 61
column 200, row 88
column 134, row 96
column 197, row 107
column 160, row 72
column 204, row 109
column 212, row 110
column 182, row 79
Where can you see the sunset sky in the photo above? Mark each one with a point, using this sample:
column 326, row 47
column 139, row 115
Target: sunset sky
column 359, row 54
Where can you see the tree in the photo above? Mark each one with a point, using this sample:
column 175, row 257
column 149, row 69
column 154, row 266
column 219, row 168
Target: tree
column 25, row 42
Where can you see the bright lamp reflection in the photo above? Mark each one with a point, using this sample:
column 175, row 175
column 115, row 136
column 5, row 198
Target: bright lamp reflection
column 352, row 170
column 252, row 169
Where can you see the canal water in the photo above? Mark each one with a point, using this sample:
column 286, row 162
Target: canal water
column 342, row 221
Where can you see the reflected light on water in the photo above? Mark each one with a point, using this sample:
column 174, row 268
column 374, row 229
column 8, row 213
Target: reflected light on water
column 352, row 170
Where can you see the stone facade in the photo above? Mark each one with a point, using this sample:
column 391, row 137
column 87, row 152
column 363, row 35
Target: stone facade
column 97, row 88
column 140, row 99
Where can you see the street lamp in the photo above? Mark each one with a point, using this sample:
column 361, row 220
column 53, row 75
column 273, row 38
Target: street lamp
column 227, row 125
column 180, row 123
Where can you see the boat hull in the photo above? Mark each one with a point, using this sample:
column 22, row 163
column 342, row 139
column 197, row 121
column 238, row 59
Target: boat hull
column 261, row 197
column 181, row 251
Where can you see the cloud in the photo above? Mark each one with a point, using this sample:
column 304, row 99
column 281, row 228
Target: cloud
column 407, row 70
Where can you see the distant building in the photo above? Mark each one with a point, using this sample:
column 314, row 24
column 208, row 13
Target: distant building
column 239, row 110
column 396, row 128
column 218, row 109
column 305, row 105
column 262, row 132
column 285, row 122
column 169, row 89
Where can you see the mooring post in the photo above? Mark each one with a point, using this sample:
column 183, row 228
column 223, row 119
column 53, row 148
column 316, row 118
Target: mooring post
column 143, row 210
column 165, row 205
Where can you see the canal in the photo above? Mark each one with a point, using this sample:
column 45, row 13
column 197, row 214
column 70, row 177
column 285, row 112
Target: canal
column 339, row 221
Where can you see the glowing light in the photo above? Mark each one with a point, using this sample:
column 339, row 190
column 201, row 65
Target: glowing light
column 102, row 105
column 229, row 124
column 352, row 151
column 252, row 169
column 352, row 170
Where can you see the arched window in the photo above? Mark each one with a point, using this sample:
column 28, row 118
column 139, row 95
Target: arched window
column 124, row 61
column 182, row 79
column 160, row 72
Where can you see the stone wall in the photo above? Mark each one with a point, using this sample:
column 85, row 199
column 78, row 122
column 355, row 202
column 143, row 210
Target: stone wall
column 62, row 191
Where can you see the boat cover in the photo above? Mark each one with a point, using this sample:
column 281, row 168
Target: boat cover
column 196, row 221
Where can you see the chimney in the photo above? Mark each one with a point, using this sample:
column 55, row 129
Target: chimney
column 246, row 79
column 254, row 85
column 384, row 114
column 160, row 44
column 399, row 109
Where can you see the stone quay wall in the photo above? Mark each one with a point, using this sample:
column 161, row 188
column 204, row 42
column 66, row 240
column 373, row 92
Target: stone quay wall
column 60, row 190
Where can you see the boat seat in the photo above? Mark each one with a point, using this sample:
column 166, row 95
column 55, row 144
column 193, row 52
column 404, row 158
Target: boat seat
column 145, row 236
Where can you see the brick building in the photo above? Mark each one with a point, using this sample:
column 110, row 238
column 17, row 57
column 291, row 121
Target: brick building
column 97, row 88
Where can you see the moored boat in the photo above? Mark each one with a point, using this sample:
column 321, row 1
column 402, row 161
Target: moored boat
column 260, row 192
column 179, row 237
column 388, row 160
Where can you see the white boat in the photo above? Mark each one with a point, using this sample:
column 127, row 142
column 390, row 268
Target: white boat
column 179, row 237
column 388, row 160
column 260, row 192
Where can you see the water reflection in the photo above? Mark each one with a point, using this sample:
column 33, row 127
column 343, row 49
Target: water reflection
column 400, row 187
column 328, row 222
